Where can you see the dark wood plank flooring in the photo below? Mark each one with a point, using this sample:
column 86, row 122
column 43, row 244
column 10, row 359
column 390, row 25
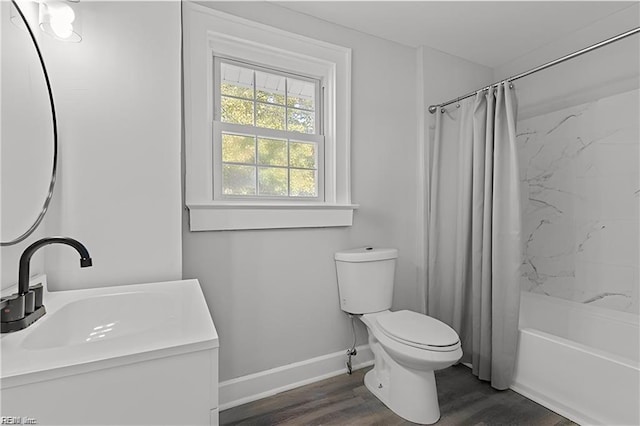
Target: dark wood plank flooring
column 343, row 400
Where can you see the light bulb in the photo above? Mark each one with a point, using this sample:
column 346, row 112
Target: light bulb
column 62, row 12
column 62, row 29
column 56, row 19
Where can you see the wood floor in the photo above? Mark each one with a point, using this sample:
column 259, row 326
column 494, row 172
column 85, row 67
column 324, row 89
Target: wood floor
column 343, row 400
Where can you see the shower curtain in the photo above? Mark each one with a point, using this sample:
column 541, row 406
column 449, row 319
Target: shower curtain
column 474, row 232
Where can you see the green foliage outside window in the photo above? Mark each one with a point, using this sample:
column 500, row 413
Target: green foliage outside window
column 253, row 165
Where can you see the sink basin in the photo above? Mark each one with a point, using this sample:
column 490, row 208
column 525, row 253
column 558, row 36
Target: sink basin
column 105, row 354
column 103, row 318
column 96, row 328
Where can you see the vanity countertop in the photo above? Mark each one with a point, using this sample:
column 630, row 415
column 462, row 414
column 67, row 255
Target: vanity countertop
column 92, row 329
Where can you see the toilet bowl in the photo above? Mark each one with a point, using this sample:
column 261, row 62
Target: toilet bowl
column 407, row 346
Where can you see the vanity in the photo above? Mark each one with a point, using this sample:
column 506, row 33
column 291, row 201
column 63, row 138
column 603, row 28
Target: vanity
column 134, row 354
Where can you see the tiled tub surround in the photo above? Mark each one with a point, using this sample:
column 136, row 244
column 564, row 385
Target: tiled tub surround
column 579, row 169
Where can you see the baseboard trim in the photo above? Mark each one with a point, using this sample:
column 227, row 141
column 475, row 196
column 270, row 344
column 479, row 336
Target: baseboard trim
column 252, row 387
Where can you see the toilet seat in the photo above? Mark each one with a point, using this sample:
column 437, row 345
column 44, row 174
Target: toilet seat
column 419, row 331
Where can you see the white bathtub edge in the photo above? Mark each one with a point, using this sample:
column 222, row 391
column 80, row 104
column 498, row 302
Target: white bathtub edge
column 607, row 356
column 608, row 388
column 553, row 405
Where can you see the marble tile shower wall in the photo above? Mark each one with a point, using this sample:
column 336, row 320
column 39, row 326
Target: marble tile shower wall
column 580, row 179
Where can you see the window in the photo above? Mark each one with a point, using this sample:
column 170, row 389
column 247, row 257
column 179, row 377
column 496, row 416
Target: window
column 267, row 126
column 267, row 134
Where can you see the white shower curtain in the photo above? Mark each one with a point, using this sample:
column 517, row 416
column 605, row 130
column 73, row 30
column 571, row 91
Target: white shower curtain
column 474, row 233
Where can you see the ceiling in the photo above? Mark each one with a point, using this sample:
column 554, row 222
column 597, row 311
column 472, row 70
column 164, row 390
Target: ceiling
column 495, row 32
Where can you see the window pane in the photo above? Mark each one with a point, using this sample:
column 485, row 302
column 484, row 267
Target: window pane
column 270, row 116
column 270, row 88
column 300, row 121
column 237, row 111
column 272, row 98
column 236, row 81
column 303, row 183
column 301, row 94
column 238, row 180
column 254, row 164
column 272, row 152
column 302, row 155
column 272, row 181
column 238, row 149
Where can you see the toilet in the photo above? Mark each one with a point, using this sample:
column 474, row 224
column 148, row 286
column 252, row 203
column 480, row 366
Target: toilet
column 407, row 346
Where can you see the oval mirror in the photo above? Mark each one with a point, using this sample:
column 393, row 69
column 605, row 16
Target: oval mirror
column 28, row 127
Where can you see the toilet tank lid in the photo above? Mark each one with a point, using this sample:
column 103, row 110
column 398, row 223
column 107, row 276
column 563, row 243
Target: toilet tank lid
column 366, row 254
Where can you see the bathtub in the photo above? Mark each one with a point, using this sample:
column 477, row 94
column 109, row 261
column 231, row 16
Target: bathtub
column 578, row 360
column 134, row 354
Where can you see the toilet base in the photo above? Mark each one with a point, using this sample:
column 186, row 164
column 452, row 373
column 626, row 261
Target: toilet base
column 409, row 393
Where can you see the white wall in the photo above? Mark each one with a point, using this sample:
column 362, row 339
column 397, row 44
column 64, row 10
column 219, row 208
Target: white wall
column 26, row 142
column 118, row 99
column 447, row 76
column 273, row 293
column 603, row 72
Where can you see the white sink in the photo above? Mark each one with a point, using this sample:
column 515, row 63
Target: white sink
column 106, row 354
column 89, row 326
column 99, row 318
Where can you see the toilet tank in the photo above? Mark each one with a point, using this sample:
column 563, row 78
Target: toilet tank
column 365, row 279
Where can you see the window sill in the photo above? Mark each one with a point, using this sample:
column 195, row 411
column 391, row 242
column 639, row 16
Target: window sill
column 221, row 216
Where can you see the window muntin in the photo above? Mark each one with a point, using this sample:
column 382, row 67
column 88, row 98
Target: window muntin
column 268, row 167
column 267, row 141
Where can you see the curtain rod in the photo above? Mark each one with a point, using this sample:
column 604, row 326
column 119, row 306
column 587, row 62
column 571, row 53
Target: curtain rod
column 434, row 108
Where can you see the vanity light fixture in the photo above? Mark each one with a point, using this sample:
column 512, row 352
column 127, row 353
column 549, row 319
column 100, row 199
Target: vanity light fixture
column 58, row 20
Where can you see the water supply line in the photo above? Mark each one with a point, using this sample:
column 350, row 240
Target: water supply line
column 351, row 352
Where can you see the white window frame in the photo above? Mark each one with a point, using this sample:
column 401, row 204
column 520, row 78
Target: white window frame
column 210, row 33
column 220, row 127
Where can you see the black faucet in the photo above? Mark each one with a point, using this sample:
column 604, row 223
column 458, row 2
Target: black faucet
column 23, row 308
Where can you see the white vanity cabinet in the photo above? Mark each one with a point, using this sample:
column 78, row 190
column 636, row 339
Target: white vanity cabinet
column 137, row 354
